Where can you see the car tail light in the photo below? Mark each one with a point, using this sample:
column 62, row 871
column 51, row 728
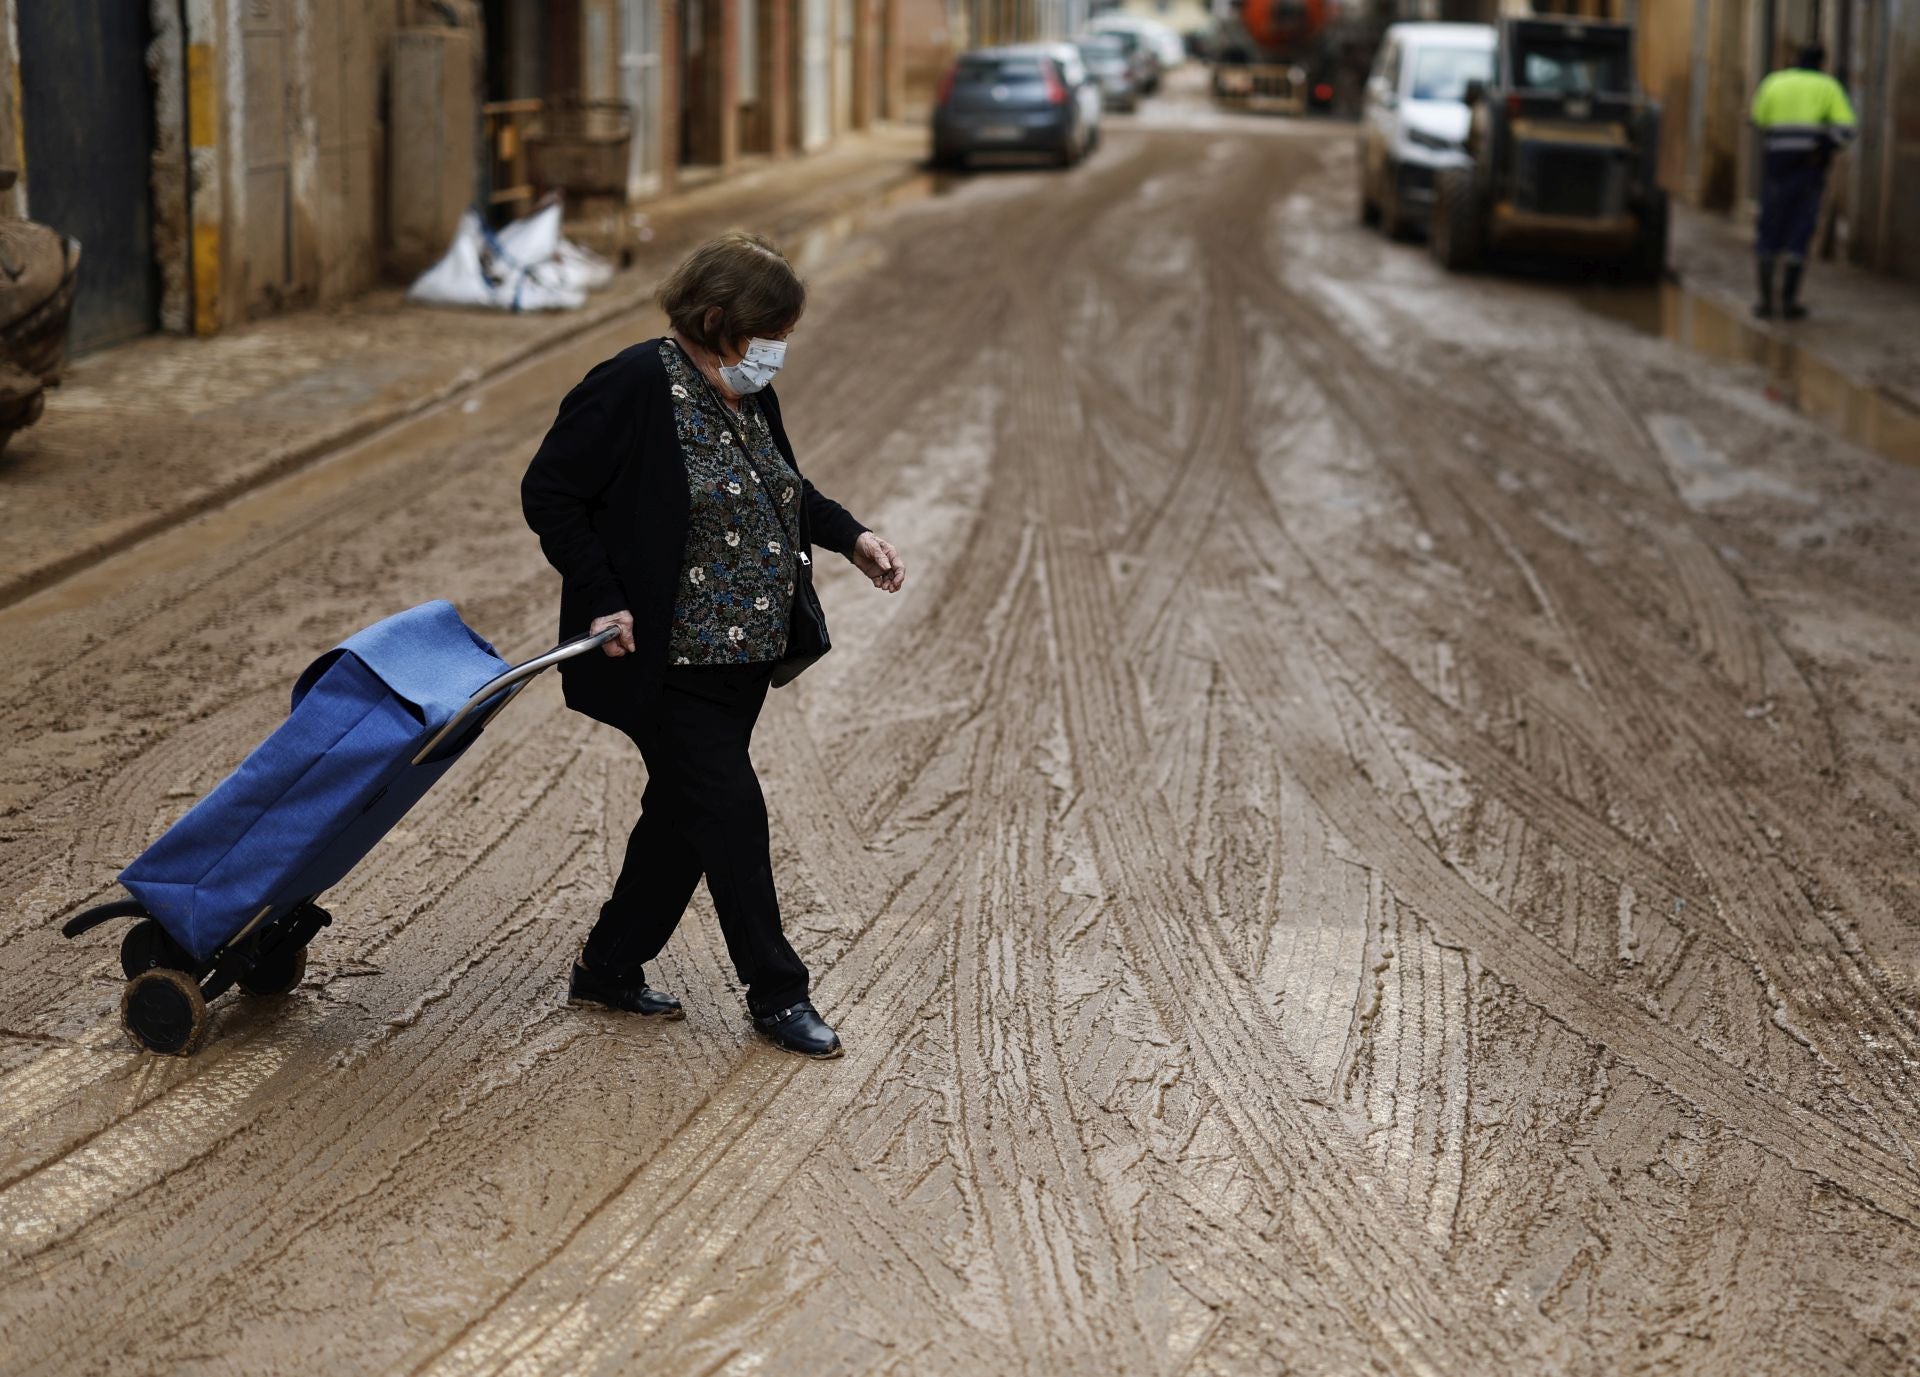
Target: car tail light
column 1323, row 93
column 946, row 85
column 1513, row 104
column 1056, row 90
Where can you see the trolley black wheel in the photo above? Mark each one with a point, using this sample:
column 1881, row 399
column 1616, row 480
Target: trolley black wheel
column 163, row 1012
column 277, row 972
column 147, row 947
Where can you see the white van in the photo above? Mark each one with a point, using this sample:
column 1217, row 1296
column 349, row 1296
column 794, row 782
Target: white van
column 1415, row 118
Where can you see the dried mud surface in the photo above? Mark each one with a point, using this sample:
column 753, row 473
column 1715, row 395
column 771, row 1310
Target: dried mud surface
column 1380, row 838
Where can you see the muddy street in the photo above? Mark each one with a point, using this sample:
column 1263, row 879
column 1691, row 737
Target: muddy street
column 1380, row 837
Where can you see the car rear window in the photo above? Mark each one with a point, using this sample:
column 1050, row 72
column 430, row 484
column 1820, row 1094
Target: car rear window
column 980, row 70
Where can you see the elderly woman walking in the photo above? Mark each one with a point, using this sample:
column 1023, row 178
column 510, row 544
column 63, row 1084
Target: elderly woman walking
column 668, row 497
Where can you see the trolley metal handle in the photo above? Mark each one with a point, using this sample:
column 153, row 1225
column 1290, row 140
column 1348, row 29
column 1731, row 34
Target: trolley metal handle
column 514, row 679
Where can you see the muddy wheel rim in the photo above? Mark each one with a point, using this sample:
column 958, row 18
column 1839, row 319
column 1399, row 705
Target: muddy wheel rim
column 163, row 1012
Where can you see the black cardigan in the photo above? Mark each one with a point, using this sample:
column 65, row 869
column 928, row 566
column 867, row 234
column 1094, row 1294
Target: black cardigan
column 607, row 495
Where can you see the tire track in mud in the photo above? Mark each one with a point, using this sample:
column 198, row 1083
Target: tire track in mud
column 1665, row 723
column 1174, row 545
column 1543, row 975
column 1375, row 1278
column 1268, row 634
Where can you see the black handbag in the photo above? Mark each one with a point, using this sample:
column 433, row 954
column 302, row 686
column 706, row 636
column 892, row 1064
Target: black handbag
column 807, row 638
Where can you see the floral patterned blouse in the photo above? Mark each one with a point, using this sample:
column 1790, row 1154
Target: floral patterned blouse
column 736, row 585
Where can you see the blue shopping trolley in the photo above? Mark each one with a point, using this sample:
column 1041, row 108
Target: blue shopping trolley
column 227, row 895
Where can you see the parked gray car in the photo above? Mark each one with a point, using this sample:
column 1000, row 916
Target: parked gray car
column 1141, row 57
column 1027, row 98
column 1106, row 57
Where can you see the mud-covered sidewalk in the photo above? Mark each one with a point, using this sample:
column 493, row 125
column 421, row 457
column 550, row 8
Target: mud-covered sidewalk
column 140, row 436
column 1379, row 838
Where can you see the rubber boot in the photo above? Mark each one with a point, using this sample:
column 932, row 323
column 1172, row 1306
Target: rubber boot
column 1763, row 308
column 1790, row 307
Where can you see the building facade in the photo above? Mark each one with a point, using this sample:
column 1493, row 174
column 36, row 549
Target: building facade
column 224, row 159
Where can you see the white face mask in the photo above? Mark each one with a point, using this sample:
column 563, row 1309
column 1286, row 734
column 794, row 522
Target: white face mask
column 756, row 367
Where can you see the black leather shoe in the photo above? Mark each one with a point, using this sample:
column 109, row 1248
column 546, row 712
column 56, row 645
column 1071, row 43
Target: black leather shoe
column 628, row 999
column 799, row 1028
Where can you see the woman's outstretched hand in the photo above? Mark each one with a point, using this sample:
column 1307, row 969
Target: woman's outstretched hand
column 880, row 562
column 621, row 644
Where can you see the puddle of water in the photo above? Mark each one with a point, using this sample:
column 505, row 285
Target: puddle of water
column 1816, row 389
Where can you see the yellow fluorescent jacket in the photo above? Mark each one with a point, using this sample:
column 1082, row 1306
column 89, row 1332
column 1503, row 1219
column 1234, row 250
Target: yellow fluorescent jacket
column 1799, row 110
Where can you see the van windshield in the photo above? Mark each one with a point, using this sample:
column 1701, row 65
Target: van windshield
column 1443, row 73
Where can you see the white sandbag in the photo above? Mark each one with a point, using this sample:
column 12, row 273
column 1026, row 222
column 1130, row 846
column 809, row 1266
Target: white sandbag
column 536, row 244
column 581, row 267
column 532, row 239
column 457, row 279
column 476, row 271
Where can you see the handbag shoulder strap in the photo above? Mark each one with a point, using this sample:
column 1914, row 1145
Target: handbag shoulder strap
column 732, row 419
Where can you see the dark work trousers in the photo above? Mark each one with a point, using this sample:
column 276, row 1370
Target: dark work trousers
column 1790, row 203
column 702, row 814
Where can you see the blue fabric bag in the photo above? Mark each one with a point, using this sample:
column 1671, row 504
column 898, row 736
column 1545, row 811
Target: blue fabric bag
column 314, row 797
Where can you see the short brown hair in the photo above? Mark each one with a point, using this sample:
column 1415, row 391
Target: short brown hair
column 745, row 279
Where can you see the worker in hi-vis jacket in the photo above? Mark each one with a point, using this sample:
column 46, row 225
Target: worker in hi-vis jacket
column 1804, row 116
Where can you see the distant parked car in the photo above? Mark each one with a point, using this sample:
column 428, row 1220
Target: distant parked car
column 1414, row 117
column 1023, row 98
column 1169, row 49
column 1142, row 60
column 1106, row 58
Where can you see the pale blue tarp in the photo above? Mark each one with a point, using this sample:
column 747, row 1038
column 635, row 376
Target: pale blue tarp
column 315, row 796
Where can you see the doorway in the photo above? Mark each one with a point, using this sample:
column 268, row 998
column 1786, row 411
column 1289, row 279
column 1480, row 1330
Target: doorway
column 640, row 88
column 699, row 82
column 815, row 86
column 87, row 116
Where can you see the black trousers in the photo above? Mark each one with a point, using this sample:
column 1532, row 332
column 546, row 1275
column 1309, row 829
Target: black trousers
column 1790, row 191
column 702, row 814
